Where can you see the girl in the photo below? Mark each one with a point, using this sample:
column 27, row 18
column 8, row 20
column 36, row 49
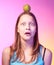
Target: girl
column 26, row 49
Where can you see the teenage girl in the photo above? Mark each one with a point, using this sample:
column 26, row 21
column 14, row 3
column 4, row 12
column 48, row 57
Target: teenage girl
column 26, row 49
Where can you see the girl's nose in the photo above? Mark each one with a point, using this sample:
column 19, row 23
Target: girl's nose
column 28, row 27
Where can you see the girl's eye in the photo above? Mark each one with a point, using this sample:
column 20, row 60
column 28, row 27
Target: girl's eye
column 33, row 24
column 22, row 23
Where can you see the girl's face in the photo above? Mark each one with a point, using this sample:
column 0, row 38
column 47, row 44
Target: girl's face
column 26, row 27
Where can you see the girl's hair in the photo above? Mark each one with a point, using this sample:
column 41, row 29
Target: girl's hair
column 16, row 47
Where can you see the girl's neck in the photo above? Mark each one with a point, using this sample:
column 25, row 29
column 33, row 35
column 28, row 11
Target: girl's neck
column 27, row 44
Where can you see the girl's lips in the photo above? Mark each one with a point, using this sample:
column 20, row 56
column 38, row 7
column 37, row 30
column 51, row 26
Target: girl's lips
column 28, row 33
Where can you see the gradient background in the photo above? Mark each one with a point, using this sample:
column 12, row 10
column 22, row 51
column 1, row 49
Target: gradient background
column 44, row 12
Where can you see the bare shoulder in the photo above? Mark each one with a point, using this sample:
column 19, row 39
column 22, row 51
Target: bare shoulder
column 6, row 56
column 48, row 52
column 6, row 51
column 48, row 56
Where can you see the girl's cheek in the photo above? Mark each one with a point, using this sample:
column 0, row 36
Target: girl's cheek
column 33, row 28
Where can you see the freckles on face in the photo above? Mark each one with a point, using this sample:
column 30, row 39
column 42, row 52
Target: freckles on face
column 26, row 24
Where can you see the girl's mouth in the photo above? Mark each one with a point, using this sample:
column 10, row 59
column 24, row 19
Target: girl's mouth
column 28, row 33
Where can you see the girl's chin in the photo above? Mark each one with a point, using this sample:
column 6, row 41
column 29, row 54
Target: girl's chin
column 26, row 38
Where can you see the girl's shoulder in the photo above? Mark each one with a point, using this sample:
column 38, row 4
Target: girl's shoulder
column 6, row 56
column 45, row 50
column 6, row 51
column 46, row 55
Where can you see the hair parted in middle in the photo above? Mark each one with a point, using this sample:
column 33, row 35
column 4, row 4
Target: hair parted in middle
column 17, row 42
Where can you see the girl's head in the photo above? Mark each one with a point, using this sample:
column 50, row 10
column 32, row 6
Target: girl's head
column 26, row 27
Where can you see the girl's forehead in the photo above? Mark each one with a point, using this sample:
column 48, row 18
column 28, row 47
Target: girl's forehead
column 26, row 17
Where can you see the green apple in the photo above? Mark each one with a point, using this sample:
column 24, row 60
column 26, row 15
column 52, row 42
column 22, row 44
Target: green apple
column 26, row 8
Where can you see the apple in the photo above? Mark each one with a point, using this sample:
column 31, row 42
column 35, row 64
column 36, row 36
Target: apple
column 26, row 8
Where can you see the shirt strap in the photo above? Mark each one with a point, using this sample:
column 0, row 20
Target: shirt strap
column 44, row 53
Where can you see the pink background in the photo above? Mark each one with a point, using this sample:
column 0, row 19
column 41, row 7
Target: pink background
column 44, row 12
